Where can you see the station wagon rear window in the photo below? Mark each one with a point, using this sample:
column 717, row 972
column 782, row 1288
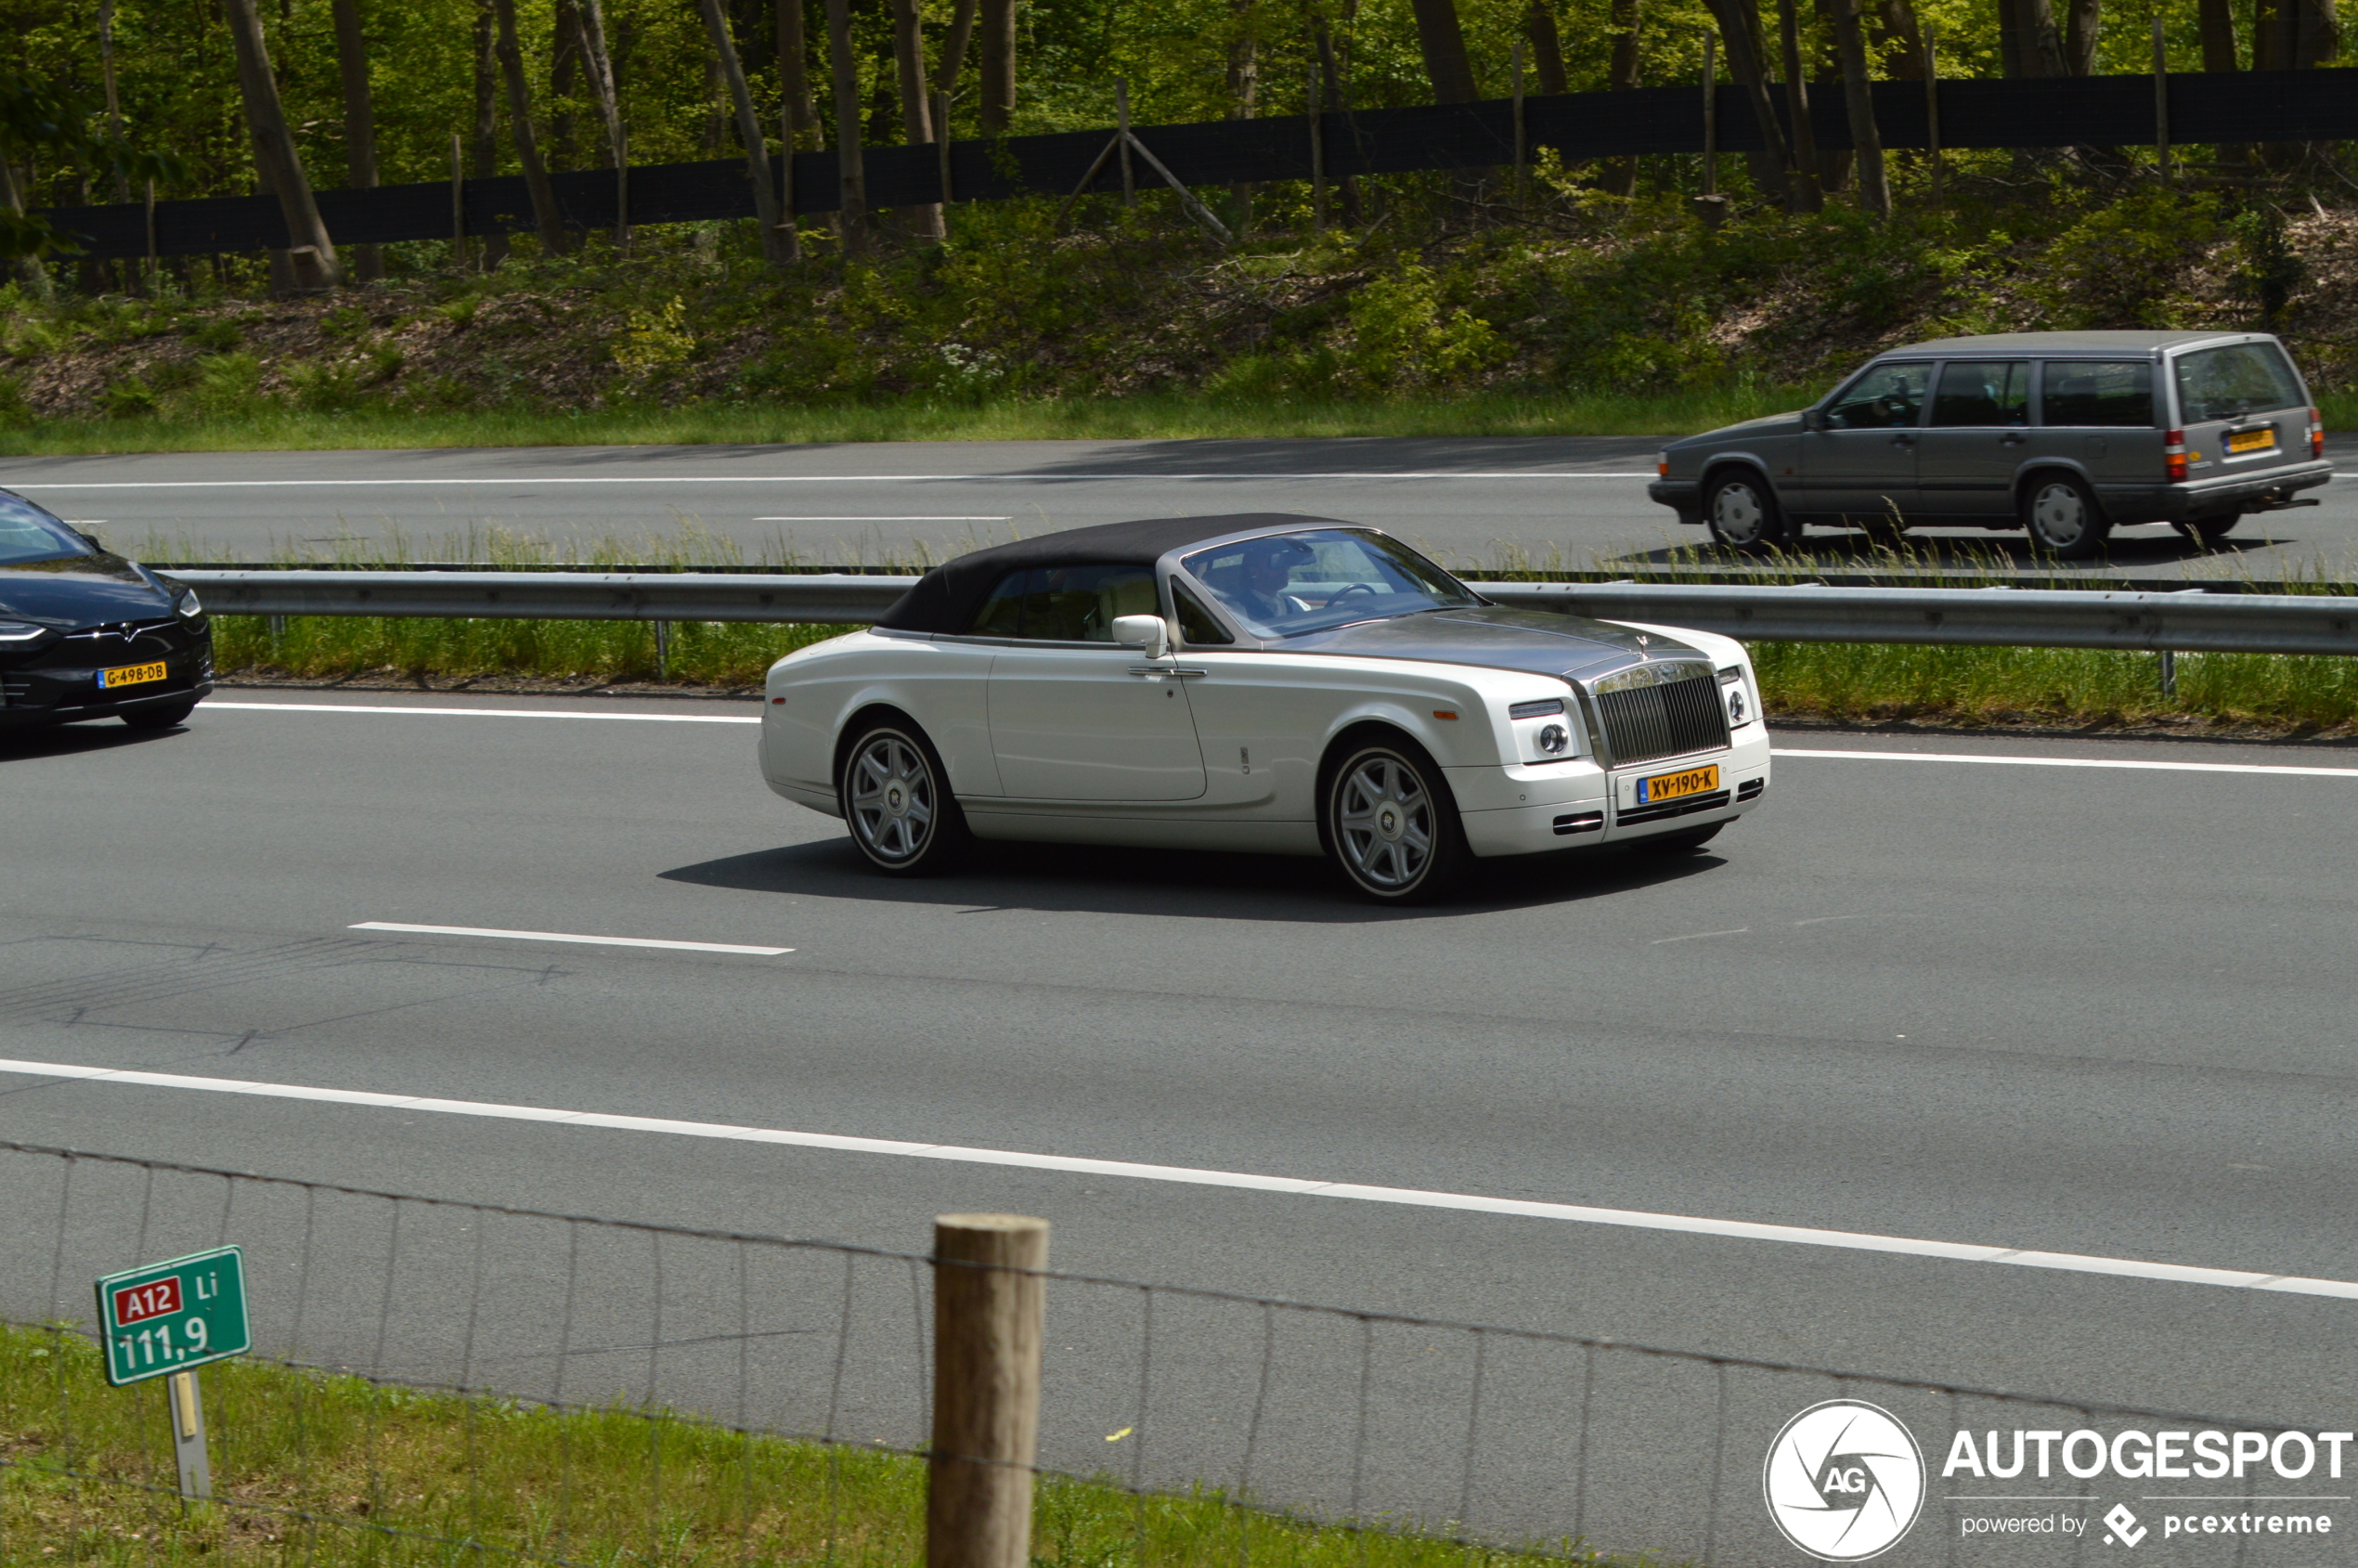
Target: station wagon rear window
column 2097, row 392
column 2243, row 377
column 1283, row 585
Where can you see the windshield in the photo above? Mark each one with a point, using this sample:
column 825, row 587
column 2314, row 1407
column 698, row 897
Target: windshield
column 2218, row 384
column 27, row 533
column 1283, row 585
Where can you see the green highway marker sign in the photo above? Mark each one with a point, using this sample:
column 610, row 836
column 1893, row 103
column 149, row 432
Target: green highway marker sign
column 168, row 1317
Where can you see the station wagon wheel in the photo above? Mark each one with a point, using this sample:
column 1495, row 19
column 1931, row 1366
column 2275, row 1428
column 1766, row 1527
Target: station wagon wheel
column 1392, row 825
column 2062, row 517
column 1742, row 512
column 895, row 796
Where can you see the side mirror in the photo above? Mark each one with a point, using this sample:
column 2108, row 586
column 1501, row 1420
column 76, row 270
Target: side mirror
column 1145, row 632
column 1812, row 419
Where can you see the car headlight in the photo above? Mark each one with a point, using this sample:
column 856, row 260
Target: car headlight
column 188, row 604
column 1731, row 687
column 19, row 631
column 1553, row 739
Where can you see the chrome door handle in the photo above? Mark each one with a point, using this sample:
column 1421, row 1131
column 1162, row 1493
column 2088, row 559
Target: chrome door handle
column 1180, row 670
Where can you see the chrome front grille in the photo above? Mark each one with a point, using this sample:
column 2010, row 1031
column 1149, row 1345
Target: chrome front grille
column 1675, row 714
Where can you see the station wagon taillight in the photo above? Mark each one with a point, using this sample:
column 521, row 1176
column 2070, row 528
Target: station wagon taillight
column 2173, row 456
column 1662, row 465
column 2316, row 434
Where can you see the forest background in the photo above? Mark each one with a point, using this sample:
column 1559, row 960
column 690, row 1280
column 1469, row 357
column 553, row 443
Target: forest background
column 1590, row 296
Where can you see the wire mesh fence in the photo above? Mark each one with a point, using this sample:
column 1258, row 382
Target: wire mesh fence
column 433, row 1379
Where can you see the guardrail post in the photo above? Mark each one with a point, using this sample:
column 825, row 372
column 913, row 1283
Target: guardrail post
column 988, row 1314
column 2168, row 673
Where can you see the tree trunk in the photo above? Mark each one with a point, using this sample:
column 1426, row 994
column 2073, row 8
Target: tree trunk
column 916, row 107
column 954, row 51
column 2079, row 43
column 846, row 70
column 2218, row 22
column 604, row 95
column 800, row 114
column 1747, row 62
column 2316, row 34
column 1807, row 198
column 1244, row 91
column 1332, row 101
column 2041, row 40
column 565, row 79
column 486, row 146
column 1621, row 174
column 1444, row 49
column 1901, row 41
column 1546, row 49
column 765, row 194
column 359, row 126
column 997, row 61
column 311, row 255
column 536, row 173
column 1866, row 140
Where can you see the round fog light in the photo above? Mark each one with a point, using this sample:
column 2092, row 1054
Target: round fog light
column 1553, row 739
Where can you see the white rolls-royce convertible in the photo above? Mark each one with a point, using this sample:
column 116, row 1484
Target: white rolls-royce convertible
column 1280, row 684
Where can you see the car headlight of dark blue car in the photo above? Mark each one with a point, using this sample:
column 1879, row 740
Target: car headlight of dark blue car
column 190, row 606
column 15, row 634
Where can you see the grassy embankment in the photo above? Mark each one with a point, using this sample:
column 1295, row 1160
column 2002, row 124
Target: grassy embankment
column 327, row 1471
column 2257, row 694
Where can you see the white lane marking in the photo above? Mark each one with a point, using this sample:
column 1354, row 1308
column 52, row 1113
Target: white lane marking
column 2241, row 1279
column 211, row 704
column 568, row 937
column 975, row 519
column 2128, row 763
column 1698, row 936
column 799, row 479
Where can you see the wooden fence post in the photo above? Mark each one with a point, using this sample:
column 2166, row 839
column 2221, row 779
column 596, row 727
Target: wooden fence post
column 2161, row 101
column 989, row 1307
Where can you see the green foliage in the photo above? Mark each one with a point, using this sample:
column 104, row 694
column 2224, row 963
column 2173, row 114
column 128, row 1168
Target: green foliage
column 15, row 408
column 219, row 333
column 128, row 397
column 2121, row 266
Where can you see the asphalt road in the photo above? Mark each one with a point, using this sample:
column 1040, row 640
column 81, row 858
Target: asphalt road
column 1568, row 501
column 2095, row 1011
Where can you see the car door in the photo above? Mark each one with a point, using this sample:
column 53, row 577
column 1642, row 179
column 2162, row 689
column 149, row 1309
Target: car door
column 1976, row 438
column 2097, row 416
column 1074, row 716
column 1859, row 460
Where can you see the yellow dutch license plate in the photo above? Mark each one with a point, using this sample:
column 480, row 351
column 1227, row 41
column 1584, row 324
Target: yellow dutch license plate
column 130, row 675
column 2251, row 440
column 1670, row 786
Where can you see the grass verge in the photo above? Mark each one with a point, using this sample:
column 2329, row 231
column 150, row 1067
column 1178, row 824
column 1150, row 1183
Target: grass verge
column 314, row 1468
column 1153, row 417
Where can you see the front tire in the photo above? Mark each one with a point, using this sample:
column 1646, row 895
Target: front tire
column 2063, row 519
column 1391, row 823
column 895, row 799
column 1743, row 515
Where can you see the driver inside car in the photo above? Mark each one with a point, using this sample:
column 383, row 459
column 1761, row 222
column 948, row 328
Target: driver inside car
column 1268, row 571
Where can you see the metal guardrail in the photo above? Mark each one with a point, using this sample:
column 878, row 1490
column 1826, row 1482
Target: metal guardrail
column 2187, row 621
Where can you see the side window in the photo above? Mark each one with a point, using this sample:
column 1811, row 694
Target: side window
column 1195, row 622
column 1888, row 396
column 2095, row 392
column 1989, row 392
column 1074, row 604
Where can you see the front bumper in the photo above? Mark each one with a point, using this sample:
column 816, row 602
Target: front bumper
column 1683, row 496
column 2223, row 497
column 59, row 683
column 1568, row 806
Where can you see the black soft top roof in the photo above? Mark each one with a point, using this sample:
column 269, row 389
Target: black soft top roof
column 945, row 599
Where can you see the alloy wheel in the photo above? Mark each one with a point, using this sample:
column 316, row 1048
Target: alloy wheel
column 1384, row 822
column 889, row 794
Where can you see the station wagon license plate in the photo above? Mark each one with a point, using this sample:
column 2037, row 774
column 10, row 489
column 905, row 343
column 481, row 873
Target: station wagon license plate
column 130, row 675
column 1670, row 786
column 2251, row 440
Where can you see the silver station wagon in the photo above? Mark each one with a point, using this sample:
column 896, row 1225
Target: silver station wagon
column 2064, row 434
